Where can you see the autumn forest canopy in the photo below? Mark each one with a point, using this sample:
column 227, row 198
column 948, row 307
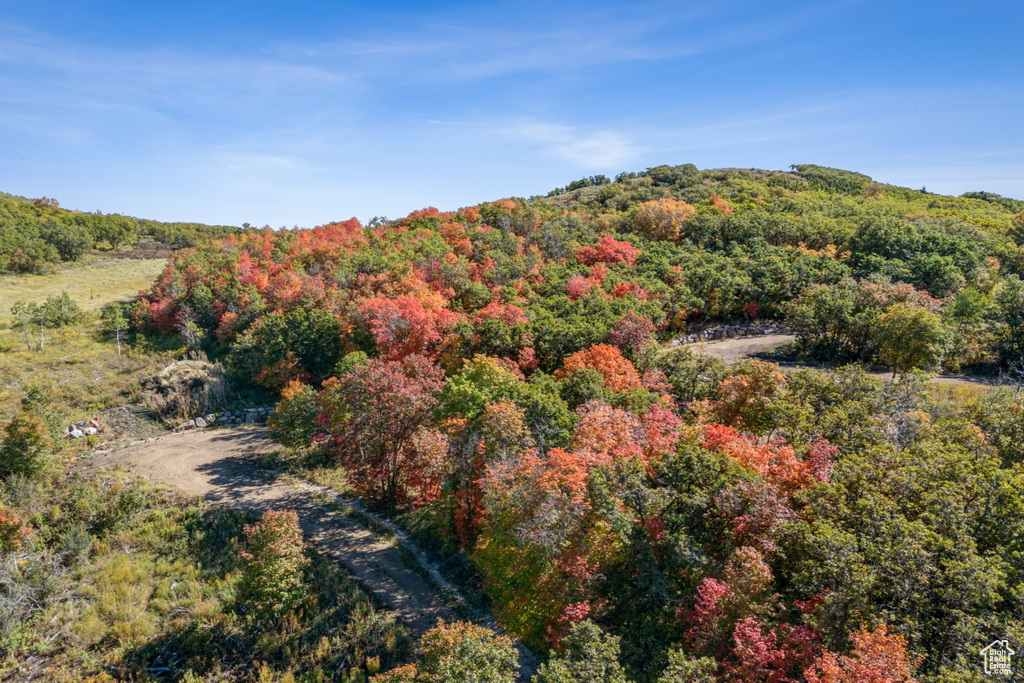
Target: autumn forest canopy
column 504, row 375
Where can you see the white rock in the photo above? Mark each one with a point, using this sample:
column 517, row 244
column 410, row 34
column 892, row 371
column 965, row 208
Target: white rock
column 200, row 422
column 76, row 434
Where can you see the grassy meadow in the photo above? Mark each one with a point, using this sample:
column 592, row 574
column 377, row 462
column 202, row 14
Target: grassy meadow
column 92, row 283
column 79, row 365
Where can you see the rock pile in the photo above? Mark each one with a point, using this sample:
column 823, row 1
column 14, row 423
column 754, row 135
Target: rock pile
column 731, row 331
column 85, row 428
column 228, row 418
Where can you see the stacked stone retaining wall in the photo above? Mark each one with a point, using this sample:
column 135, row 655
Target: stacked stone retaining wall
column 228, row 418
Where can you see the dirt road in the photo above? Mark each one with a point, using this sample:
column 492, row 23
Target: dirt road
column 733, row 350
column 217, row 464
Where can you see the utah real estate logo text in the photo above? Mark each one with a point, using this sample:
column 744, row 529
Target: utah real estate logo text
column 997, row 658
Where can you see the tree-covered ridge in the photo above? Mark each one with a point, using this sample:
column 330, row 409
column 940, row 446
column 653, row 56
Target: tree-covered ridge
column 673, row 246
column 37, row 233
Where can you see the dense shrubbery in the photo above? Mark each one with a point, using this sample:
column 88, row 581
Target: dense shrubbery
column 458, row 652
column 537, row 281
column 494, row 367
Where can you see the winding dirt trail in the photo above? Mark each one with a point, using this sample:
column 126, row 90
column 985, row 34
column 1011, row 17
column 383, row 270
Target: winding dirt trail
column 218, row 465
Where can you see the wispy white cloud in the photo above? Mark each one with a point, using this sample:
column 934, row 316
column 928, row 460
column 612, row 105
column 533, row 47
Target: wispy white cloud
column 41, row 69
column 584, row 149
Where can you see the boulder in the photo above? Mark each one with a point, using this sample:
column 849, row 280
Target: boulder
column 89, row 431
column 76, row 434
column 200, row 422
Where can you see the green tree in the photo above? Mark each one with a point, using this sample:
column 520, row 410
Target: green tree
column 461, row 652
column 681, row 669
column 692, row 375
column 25, row 314
column 590, row 656
column 71, row 241
column 924, row 539
column 25, row 447
column 910, row 337
column 116, row 231
column 293, row 421
column 968, row 309
column 823, row 320
column 1007, row 317
column 115, row 323
column 274, row 559
column 1017, row 228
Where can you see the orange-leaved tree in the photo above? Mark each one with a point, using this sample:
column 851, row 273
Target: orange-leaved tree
column 663, row 219
column 877, row 657
column 616, row 371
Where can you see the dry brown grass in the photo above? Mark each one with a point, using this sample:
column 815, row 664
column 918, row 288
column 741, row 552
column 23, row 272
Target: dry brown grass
column 186, row 389
column 92, row 283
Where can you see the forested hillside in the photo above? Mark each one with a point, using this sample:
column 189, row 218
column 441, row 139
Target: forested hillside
column 496, row 373
column 647, row 256
column 36, row 234
column 500, row 380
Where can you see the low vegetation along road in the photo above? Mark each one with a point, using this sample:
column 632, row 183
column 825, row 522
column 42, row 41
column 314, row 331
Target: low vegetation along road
column 735, row 350
column 220, row 465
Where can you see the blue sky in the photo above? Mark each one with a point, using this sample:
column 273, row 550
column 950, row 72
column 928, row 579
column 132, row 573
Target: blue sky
column 297, row 113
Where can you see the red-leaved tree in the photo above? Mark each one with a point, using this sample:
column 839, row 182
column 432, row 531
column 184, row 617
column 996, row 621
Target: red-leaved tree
column 403, row 326
column 608, row 250
column 375, row 413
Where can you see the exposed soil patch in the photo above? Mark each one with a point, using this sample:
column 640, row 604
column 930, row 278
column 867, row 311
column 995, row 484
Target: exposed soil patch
column 219, row 465
column 144, row 250
column 733, row 350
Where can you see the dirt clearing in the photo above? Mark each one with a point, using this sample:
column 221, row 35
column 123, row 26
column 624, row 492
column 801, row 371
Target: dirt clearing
column 732, row 350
